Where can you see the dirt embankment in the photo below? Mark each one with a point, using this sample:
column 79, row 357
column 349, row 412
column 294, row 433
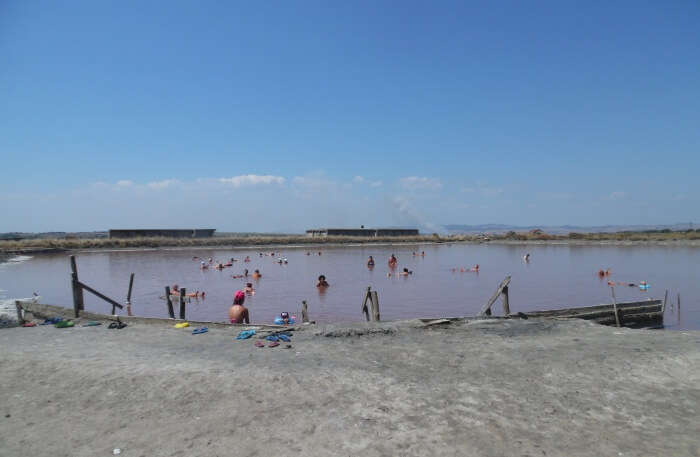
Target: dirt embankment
column 479, row 388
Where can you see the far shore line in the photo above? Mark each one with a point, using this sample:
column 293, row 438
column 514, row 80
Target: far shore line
column 48, row 245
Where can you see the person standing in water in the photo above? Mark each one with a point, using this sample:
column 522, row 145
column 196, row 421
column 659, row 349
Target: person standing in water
column 238, row 314
column 393, row 261
column 370, row 262
column 322, row 283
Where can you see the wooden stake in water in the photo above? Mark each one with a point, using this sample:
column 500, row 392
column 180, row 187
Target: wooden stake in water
column 171, row 311
column 617, row 318
column 304, row 311
column 679, row 308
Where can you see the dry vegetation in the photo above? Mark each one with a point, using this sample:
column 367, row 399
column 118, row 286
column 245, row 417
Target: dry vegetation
column 262, row 240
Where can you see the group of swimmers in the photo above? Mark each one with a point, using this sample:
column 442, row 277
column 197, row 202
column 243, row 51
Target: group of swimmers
column 474, row 269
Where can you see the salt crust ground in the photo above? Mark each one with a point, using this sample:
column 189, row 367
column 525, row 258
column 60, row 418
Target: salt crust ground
column 480, row 388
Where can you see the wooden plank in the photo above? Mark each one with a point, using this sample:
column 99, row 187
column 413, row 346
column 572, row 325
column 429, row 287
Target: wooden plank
column 364, row 303
column 506, row 304
column 663, row 308
column 18, row 305
column 607, row 312
column 304, row 311
column 617, row 317
column 375, row 306
column 493, row 298
column 131, row 285
column 78, row 298
column 171, row 311
column 183, row 293
column 103, row 297
column 585, row 309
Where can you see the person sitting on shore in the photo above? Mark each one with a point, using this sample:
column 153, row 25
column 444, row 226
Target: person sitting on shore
column 238, row 314
column 405, row 272
column 249, row 289
column 370, row 262
column 256, row 274
column 322, row 283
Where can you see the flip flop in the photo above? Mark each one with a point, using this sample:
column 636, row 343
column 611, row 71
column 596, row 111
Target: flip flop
column 182, row 325
column 273, row 338
column 52, row 321
column 259, row 344
column 65, row 324
column 273, row 344
column 245, row 334
column 91, row 324
column 121, row 325
column 199, row 331
column 284, row 337
column 29, row 324
column 113, row 325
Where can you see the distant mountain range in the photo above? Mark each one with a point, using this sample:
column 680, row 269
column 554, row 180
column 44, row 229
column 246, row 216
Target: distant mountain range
column 563, row 229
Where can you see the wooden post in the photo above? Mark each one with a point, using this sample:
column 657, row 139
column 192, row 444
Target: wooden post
column 18, row 305
column 171, row 312
column 679, row 308
column 364, row 303
column 486, row 310
column 182, row 303
column 617, row 318
column 304, row 312
column 78, row 300
column 506, row 305
column 375, row 306
column 663, row 307
column 128, row 295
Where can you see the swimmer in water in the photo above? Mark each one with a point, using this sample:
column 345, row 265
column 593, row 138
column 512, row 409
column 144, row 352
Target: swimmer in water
column 422, row 253
column 322, row 283
column 370, row 262
column 203, row 265
column 393, row 261
column 256, row 274
column 405, row 272
column 249, row 289
column 245, row 272
column 475, row 268
column 247, row 259
column 526, row 257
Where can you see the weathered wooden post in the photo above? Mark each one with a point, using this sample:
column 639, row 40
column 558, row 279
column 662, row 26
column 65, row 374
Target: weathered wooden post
column 375, row 306
column 679, row 308
column 617, row 318
column 183, row 294
column 18, row 305
column 171, row 311
column 663, row 307
column 304, row 312
column 78, row 303
column 128, row 295
column 506, row 305
column 364, row 303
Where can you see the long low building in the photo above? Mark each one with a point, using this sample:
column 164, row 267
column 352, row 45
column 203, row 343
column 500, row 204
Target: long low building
column 365, row 232
column 169, row 233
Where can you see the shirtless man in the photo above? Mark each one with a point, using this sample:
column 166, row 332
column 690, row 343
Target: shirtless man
column 322, row 283
column 238, row 314
column 405, row 272
column 256, row 274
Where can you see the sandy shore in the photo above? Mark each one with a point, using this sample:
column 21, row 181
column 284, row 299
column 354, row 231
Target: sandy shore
column 486, row 388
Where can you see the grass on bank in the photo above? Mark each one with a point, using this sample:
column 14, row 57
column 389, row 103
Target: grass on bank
column 262, row 240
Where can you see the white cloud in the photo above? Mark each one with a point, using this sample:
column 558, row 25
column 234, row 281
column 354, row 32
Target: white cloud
column 162, row 184
column 358, row 179
column 417, row 182
column 376, row 183
column 125, row 183
column 252, row 180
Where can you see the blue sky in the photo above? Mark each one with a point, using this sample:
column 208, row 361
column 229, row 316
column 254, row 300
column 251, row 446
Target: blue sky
column 287, row 115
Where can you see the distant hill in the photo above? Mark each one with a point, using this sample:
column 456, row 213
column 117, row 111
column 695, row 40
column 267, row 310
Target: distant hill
column 564, row 229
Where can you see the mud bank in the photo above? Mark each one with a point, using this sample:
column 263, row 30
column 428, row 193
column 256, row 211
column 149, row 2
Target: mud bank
column 474, row 388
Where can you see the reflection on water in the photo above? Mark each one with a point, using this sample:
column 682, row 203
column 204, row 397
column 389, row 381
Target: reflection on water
column 554, row 276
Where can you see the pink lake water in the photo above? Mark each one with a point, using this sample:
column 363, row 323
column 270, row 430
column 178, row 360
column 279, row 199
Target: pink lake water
column 556, row 276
